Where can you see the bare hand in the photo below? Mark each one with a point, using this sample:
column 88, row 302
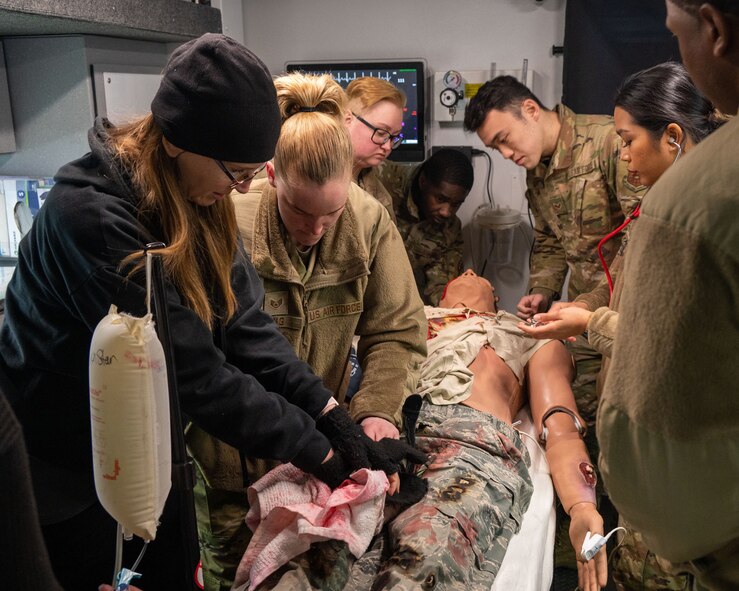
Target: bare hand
column 531, row 304
column 559, row 305
column 564, row 323
column 593, row 574
column 376, row 428
column 394, row 481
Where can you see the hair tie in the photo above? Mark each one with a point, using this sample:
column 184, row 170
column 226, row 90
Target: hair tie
column 307, row 109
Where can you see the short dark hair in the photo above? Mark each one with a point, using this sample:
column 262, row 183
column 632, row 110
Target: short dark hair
column 665, row 94
column 692, row 6
column 502, row 93
column 448, row 165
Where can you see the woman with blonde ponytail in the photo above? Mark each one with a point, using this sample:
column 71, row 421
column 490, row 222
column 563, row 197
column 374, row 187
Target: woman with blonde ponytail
column 333, row 266
column 167, row 178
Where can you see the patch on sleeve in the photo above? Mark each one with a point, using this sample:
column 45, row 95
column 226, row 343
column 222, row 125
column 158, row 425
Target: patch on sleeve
column 275, row 303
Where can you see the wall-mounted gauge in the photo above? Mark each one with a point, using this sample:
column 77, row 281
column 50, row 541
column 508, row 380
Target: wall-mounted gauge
column 448, row 97
column 452, row 79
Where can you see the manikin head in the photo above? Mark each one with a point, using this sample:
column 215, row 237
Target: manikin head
column 469, row 290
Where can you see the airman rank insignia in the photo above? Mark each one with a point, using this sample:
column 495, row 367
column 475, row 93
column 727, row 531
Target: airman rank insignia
column 275, row 303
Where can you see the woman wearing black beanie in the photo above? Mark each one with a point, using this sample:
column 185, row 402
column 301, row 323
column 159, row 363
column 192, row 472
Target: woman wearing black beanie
column 163, row 178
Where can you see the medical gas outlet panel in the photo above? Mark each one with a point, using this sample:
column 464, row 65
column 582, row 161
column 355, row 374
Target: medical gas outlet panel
column 453, row 89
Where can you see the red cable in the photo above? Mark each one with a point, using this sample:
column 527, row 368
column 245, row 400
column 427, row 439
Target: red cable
column 629, row 218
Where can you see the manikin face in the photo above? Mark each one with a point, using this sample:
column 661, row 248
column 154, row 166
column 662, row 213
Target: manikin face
column 439, row 203
column 308, row 210
column 470, row 291
column 518, row 139
column 201, row 178
column 383, row 115
column 646, row 156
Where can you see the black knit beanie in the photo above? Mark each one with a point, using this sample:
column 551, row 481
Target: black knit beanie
column 217, row 99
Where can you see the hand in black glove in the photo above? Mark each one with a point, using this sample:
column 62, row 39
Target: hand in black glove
column 354, row 450
column 398, row 450
column 412, row 488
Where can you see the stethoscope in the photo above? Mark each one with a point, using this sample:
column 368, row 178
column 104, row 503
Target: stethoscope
column 629, row 218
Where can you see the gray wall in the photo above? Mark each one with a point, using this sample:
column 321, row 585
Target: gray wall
column 51, row 95
column 466, row 35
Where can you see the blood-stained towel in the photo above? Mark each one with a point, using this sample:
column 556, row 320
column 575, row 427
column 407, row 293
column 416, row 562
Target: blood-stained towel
column 289, row 510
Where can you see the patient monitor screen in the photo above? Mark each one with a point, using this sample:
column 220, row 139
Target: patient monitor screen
column 407, row 76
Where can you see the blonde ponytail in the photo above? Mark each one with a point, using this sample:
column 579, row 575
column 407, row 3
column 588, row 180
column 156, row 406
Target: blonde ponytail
column 314, row 144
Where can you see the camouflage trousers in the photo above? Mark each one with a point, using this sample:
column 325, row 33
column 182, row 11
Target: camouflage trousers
column 222, row 532
column 221, row 505
column 636, row 568
column 455, row 538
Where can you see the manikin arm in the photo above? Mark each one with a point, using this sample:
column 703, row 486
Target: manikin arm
column 549, row 374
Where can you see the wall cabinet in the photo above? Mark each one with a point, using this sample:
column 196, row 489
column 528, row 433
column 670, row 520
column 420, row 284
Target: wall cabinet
column 52, row 50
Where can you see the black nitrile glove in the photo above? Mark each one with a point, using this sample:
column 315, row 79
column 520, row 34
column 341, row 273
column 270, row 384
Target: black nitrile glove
column 412, row 487
column 354, row 450
column 398, row 450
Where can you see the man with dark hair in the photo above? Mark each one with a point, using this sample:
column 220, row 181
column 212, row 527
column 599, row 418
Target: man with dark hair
column 576, row 186
column 668, row 423
column 426, row 199
column 578, row 192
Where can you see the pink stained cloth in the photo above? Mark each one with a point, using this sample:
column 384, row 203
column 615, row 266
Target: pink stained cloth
column 289, row 510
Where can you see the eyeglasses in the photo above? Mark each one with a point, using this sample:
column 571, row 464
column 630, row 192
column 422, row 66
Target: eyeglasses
column 244, row 178
column 381, row 136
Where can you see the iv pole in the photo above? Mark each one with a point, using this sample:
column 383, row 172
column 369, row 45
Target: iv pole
column 183, row 475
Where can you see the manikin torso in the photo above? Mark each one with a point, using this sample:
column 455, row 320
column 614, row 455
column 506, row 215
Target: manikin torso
column 495, row 388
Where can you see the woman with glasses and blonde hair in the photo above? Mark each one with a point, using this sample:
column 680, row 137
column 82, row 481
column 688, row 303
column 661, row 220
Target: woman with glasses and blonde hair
column 375, row 120
column 333, row 264
column 163, row 178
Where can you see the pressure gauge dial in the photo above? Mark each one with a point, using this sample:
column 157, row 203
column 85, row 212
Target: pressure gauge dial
column 452, row 79
column 449, row 97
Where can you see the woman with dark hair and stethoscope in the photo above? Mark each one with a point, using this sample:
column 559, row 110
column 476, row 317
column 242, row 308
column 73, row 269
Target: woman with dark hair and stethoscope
column 660, row 115
column 656, row 132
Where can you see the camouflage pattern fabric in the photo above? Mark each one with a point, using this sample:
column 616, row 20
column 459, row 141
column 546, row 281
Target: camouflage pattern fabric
column 581, row 194
column 222, row 540
column 434, row 250
column 220, row 510
column 455, row 538
column 576, row 198
column 636, row 568
column 369, row 179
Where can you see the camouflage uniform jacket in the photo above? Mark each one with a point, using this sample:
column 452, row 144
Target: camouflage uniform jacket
column 435, row 250
column 361, row 285
column 579, row 197
column 369, row 180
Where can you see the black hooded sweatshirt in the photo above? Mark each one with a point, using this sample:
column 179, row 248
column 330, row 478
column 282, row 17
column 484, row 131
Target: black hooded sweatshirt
column 241, row 382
